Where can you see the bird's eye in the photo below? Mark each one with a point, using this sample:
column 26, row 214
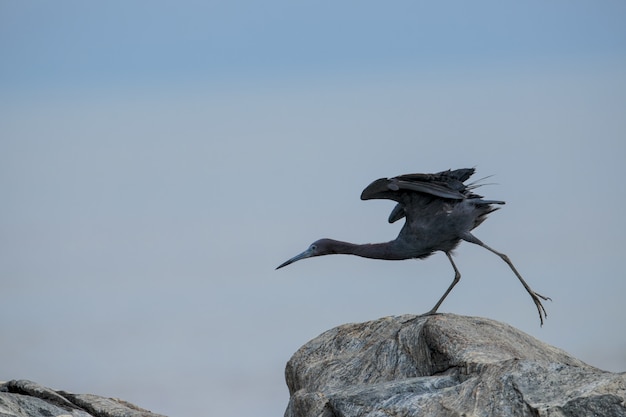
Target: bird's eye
column 313, row 247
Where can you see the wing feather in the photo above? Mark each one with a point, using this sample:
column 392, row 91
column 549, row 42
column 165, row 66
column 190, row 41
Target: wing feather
column 446, row 184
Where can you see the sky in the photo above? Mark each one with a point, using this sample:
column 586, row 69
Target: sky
column 159, row 159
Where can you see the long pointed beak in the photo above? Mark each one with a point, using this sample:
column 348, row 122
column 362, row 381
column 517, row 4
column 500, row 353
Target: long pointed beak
column 305, row 254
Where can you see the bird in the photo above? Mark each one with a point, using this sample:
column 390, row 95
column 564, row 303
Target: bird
column 440, row 211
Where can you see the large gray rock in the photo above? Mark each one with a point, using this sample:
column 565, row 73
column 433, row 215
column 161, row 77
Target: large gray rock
column 23, row 398
column 444, row 365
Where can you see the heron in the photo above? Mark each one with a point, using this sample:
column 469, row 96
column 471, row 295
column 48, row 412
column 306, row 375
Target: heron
column 440, row 211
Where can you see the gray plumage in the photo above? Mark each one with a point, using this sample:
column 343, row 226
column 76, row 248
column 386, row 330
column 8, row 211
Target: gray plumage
column 440, row 212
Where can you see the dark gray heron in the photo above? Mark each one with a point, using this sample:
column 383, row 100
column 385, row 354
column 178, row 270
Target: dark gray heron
column 440, row 211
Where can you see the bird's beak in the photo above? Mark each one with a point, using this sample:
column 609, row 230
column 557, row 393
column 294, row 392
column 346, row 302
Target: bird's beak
column 306, row 254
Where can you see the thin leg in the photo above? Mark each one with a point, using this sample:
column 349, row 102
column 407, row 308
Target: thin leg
column 457, row 278
column 534, row 295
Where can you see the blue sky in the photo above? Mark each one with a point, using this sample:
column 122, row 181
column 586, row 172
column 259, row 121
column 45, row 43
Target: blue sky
column 159, row 159
column 74, row 43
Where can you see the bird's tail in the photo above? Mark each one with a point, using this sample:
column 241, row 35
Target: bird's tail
column 484, row 207
column 481, row 202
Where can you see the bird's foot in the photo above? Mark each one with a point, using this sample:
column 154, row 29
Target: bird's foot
column 543, row 314
column 432, row 312
column 543, row 297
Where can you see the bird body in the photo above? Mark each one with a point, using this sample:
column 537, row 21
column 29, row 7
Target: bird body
column 440, row 212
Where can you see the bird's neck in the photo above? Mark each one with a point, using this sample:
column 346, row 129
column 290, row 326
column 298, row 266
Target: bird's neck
column 368, row 250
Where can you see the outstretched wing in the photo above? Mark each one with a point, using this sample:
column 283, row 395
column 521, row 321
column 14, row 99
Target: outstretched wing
column 446, row 184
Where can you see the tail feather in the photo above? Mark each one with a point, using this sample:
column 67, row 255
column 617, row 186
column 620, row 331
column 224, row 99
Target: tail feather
column 481, row 202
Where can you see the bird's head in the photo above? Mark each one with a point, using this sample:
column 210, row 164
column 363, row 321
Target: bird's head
column 317, row 248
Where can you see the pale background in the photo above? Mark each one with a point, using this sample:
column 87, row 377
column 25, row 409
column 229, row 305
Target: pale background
column 159, row 159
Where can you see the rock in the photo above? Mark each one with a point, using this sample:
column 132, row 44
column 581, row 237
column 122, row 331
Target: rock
column 21, row 398
column 444, row 365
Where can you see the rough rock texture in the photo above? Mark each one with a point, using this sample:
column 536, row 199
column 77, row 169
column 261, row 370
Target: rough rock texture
column 444, row 365
column 23, row 398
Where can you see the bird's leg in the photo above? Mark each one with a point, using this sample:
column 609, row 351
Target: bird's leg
column 534, row 295
column 457, row 278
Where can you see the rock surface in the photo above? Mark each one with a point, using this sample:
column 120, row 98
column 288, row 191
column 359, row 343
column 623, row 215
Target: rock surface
column 22, row 398
column 444, row 365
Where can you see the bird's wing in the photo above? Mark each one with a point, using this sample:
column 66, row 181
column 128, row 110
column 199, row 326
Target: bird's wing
column 438, row 190
column 446, row 184
column 397, row 213
column 393, row 188
column 452, row 178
